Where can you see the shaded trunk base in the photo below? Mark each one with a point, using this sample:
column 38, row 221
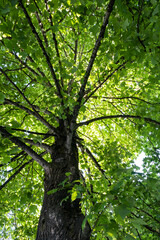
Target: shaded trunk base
column 61, row 219
column 61, row 222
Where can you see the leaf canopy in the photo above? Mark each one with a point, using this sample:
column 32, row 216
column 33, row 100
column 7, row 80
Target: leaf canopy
column 57, row 64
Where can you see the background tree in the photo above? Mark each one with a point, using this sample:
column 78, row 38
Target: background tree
column 79, row 98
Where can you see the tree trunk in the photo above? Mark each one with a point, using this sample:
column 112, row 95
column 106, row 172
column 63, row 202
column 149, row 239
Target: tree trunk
column 61, row 219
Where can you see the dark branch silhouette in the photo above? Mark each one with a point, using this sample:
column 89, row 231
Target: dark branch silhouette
column 93, row 57
column 117, row 116
column 25, row 148
column 15, row 174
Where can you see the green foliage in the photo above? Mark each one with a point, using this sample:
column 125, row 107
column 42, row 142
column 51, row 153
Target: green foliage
column 2, row 97
column 119, row 201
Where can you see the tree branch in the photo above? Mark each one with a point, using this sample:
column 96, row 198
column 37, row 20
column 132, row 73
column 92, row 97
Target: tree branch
column 55, row 41
column 25, row 64
column 43, row 49
column 42, row 145
column 38, row 116
column 40, row 71
column 33, row 113
column 66, row 42
column 100, row 85
column 141, row 210
column 31, row 69
column 136, row 98
column 18, row 171
column 95, row 161
column 138, row 24
column 75, row 50
column 10, row 102
column 25, row 148
column 117, row 116
column 42, row 29
column 37, row 133
column 151, row 229
column 17, row 157
column 14, row 175
column 37, row 7
column 14, row 70
column 93, row 56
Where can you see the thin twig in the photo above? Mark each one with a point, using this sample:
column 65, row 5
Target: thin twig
column 14, row 175
column 95, row 161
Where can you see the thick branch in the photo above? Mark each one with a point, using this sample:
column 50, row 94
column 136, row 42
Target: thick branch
column 43, row 49
column 41, row 145
column 75, row 50
column 10, row 102
column 117, row 116
column 36, row 133
column 25, row 148
column 93, row 56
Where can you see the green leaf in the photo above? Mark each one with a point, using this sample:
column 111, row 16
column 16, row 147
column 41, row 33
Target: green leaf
column 84, row 223
column 15, row 124
column 14, row 2
column 74, row 196
column 5, row 10
column 92, row 20
column 129, row 237
column 68, row 174
column 2, row 98
column 94, row 29
column 125, row 24
column 53, row 191
column 5, row 159
column 54, row 28
column 138, row 223
column 33, row 208
column 74, row 69
column 122, row 211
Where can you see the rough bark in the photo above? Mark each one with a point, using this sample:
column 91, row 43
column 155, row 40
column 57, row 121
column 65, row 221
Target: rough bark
column 61, row 219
